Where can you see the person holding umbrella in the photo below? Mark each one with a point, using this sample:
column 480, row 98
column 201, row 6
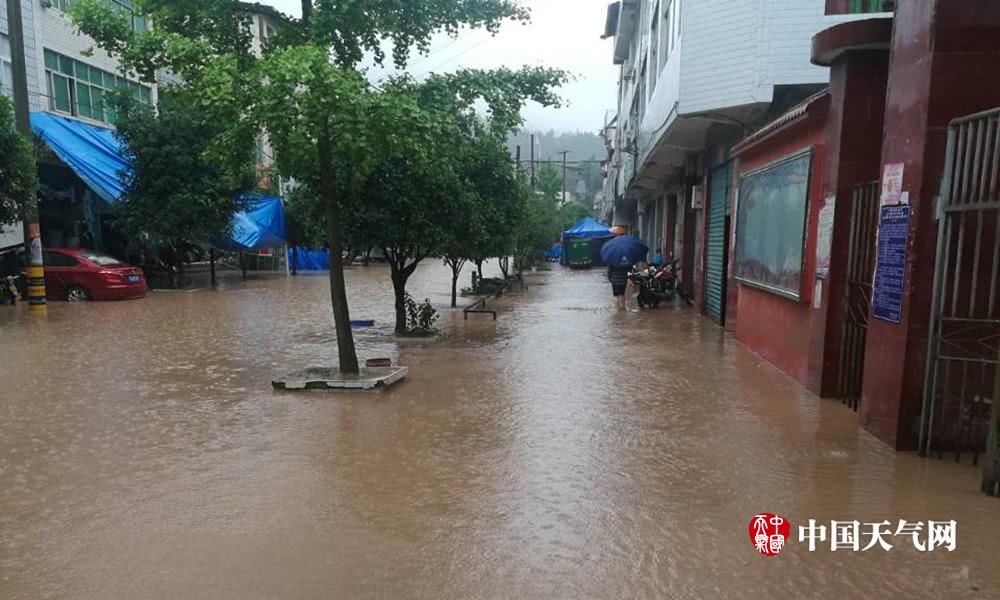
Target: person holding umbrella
column 620, row 254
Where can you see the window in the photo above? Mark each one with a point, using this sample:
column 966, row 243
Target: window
column 665, row 35
column 771, row 225
column 6, row 69
column 655, row 46
column 76, row 88
column 101, row 260
column 865, row 6
column 123, row 7
column 57, row 259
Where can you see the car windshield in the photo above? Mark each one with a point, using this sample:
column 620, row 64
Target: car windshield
column 101, row 260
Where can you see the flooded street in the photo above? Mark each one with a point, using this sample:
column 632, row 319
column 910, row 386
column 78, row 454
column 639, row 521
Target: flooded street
column 566, row 451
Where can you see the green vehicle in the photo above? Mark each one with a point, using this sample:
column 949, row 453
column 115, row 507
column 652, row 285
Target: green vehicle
column 579, row 253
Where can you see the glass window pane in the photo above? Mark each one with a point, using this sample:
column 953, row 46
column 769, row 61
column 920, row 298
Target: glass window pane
column 146, row 95
column 96, row 76
column 83, row 100
column 51, row 61
column 66, row 65
column 60, row 93
column 4, row 45
column 97, row 102
column 139, row 23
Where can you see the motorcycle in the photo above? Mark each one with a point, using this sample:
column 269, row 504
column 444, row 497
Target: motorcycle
column 9, row 290
column 656, row 285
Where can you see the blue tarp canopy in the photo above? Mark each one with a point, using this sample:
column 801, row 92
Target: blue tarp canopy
column 93, row 152
column 260, row 226
column 587, row 228
column 309, row 260
column 98, row 158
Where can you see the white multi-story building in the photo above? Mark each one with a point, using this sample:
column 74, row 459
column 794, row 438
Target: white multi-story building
column 69, row 76
column 696, row 76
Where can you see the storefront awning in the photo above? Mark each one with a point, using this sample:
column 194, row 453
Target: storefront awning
column 92, row 152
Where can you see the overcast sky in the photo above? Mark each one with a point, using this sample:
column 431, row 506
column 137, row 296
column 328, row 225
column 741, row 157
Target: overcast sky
column 563, row 33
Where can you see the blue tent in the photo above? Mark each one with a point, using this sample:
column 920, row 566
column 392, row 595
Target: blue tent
column 587, row 228
column 98, row 158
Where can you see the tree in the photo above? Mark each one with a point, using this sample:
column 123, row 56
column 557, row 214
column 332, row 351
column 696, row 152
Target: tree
column 550, row 183
column 537, row 228
column 570, row 214
column 328, row 110
column 485, row 228
column 18, row 174
column 175, row 192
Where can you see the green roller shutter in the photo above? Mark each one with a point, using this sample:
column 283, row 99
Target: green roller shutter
column 716, row 244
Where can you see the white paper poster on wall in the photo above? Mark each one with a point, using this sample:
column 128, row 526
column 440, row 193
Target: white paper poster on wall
column 824, row 236
column 892, row 184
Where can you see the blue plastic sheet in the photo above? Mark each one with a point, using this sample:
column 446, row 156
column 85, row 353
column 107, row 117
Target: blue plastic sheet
column 260, row 226
column 94, row 153
column 587, row 228
column 98, row 158
column 309, row 260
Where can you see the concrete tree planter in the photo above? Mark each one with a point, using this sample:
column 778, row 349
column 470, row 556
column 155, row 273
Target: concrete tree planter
column 330, row 379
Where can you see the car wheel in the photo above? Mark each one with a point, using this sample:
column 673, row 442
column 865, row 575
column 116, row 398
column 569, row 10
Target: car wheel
column 77, row 294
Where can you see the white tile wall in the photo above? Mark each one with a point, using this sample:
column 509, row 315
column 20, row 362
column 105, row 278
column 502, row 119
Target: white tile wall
column 30, row 47
column 736, row 51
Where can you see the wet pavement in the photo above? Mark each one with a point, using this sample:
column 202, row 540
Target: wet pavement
column 566, row 451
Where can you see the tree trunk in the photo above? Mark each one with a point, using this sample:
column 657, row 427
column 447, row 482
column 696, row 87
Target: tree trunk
column 505, row 266
column 211, row 264
column 399, row 278
column 479, row 268
column 295, row 259
column 306, row 13
column 346, row 352
column 456, row 269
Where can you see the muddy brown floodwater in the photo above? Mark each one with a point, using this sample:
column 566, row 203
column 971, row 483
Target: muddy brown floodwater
column 567, row 451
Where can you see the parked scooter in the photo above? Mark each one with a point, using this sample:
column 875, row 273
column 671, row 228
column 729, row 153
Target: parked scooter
column 656, row 285
column 9, row 292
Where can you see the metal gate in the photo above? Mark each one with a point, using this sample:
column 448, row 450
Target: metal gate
column 717, row 242
column 964, row 336
column 858, row 291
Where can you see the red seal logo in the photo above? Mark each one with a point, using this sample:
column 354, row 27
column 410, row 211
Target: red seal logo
column 769, row 532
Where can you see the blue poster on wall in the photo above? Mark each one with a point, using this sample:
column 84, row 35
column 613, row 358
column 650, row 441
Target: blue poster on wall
column 890, row 270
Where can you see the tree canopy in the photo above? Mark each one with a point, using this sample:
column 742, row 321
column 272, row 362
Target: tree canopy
column 176, row 191
column 18, row 176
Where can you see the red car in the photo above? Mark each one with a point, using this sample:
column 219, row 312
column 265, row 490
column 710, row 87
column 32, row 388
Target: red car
column 78, row 275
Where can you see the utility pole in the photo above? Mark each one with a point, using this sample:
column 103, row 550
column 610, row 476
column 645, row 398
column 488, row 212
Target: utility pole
column 532, row 162
column 35, row 270
column 517, row 161
column 564, row 153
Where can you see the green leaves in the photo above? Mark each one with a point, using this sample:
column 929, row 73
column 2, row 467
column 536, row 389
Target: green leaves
column 18, row 175
column 178, row 189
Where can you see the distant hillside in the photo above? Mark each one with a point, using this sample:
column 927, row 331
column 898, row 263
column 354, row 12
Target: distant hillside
column 581, row 145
